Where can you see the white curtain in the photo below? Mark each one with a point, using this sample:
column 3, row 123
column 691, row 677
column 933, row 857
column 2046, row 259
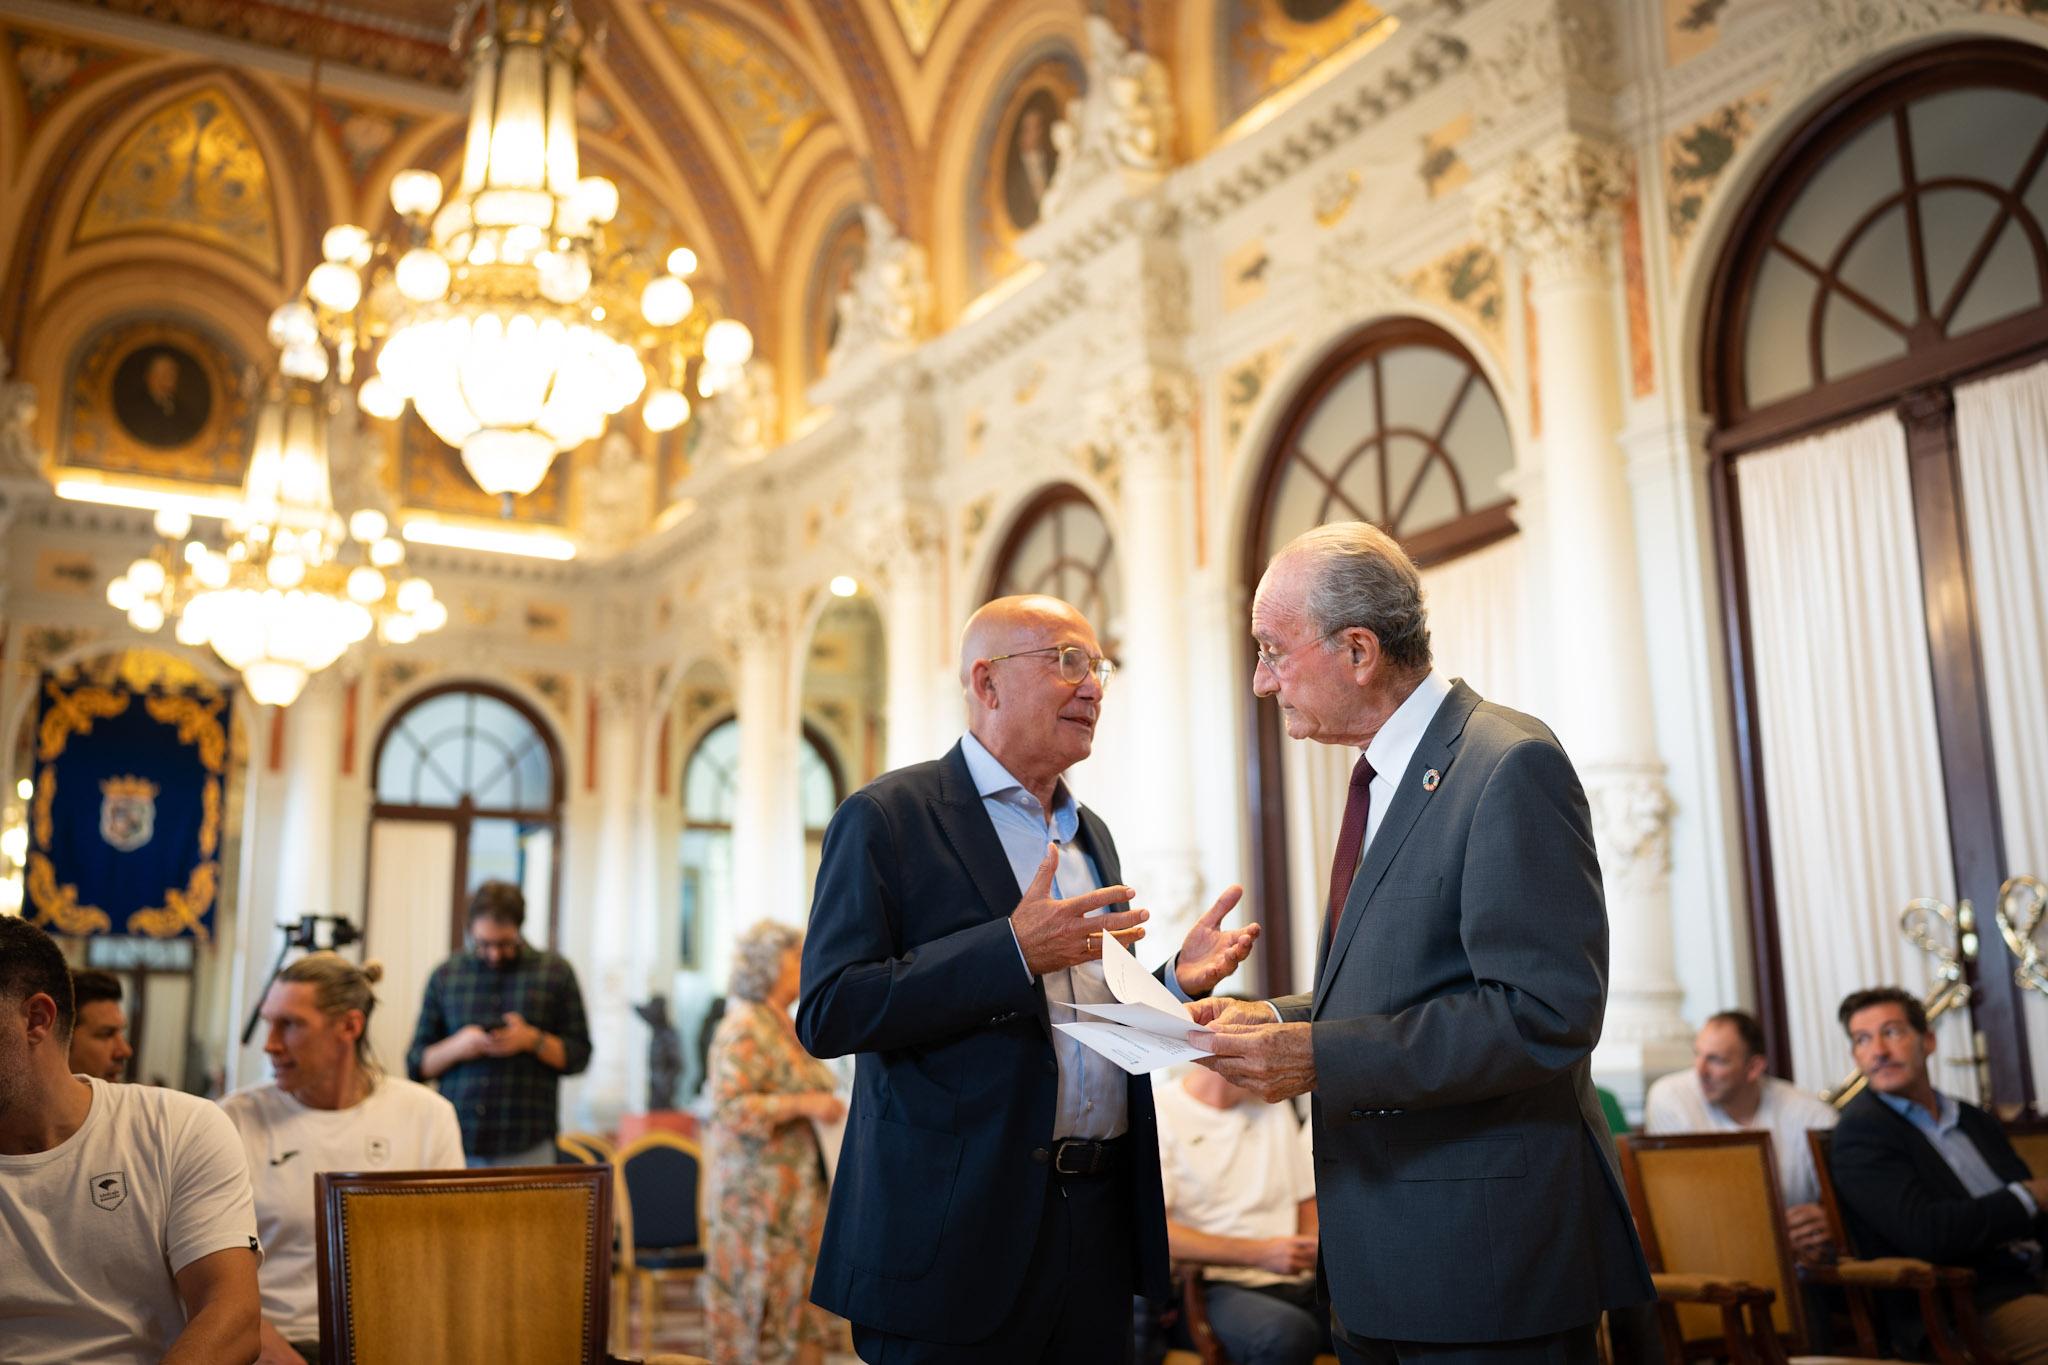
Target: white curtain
column 2002, row 435
column 1475, row 607
column 1851, row 766
column 412, row 879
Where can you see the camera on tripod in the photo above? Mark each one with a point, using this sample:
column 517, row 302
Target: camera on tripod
column 307, row 935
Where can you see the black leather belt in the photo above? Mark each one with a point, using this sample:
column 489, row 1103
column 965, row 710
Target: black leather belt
column 1074, row 1156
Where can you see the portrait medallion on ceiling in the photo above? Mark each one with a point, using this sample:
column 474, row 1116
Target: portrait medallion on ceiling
column 832, row 272
column 1015, row 160
column 160, row 398
column 1263, row 45
column 191, row 169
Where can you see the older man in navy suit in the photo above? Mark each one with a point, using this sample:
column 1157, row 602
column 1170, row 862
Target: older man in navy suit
column 997, row 1198
column 1470, row 1205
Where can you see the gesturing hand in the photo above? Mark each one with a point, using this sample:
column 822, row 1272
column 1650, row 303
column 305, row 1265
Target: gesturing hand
column 1210, row 952
column 1054, row 934
column 1214, row 1011
column 1273, row 1061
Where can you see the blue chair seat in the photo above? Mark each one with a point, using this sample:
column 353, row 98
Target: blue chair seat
column 669, row 1258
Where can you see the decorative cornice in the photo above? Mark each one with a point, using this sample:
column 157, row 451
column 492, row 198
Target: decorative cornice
column 978, row 346
column 1556, row 207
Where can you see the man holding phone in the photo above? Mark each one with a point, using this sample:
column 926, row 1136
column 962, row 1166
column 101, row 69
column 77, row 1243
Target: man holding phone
column 499, row 1028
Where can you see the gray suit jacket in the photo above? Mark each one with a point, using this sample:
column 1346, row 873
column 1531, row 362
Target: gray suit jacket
column 1465, row 1182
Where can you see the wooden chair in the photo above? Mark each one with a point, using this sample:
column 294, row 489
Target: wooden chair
column 1713, row 1227
column 1194, row 1304
column 506, row 1266
column 1929, row 1282
column 662, row 1221
column 593, row 1147
column 2029, row 1137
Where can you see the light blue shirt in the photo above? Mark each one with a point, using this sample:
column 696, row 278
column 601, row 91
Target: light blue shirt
column 1093, row 1095
column 1957, row 1150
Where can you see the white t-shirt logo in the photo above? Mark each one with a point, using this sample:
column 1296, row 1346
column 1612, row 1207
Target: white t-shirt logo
column 110, row 1190
column 379, row 1150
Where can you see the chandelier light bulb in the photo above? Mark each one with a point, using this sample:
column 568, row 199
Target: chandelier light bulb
column 212, row 571
column 844, row 585
column 293, row 324
column 379, row 399
column 172, row 523
column 146, row 616
column 343, row 242
column 335, row 287
column 272, row 683
column 594, row 200
column 728, row 344
column 564, row 275
column 432, row 616
column 304, row 362
column 365, row 584
column 666, row 301
column 194, row 552
column 285, row 570
column 366, row 525
column 413, row 594
column 682, row 261
column 665, row 410
column 710, row 379
column 422, row 275
column 147, row 575
column 191, row 629
column 386, row 552
column 400, row 630
column 415, row 193
column 122, row 595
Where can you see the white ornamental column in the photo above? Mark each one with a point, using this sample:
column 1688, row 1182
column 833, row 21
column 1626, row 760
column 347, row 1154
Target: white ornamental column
column 923, row 712
column 1145, row 418
column 1555, row 209
column 312, row 776
column 767, row 822
column 614, row 976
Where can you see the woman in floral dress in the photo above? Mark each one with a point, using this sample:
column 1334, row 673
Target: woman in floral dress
column 765, row 1185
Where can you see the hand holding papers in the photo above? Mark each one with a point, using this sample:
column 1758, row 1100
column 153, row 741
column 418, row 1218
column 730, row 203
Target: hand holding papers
column 1146, row 1029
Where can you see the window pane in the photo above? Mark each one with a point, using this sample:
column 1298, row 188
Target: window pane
column 1480, row 445
column 2008, row 284
column 1979, row 134
column 1852, row 340
column 708, row 778
column 819, row 796
column 1775, row 357
column 397, row 770
column 534, row 777
column 1852, row 182
column 1346, row 416
column 1420, row 382
column 433, row 787
column 1405, row 455
column 1952, row 222
column 1880, row 266
column 464, row 743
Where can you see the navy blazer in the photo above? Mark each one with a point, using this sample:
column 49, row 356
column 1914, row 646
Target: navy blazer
column 1900, row 1198
column 910, row 963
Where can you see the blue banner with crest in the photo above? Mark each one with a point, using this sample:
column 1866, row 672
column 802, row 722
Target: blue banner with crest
column 126, row 818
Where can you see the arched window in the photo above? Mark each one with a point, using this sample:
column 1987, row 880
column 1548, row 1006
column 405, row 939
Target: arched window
column 479, row 760
column 710, row 788
column 1398, row 426
column 1888, row 276
column 1061, row 546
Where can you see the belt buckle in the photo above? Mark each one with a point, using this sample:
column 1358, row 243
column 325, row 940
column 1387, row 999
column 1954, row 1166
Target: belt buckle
column 1059, row 1158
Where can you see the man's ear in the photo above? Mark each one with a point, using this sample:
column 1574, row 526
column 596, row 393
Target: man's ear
column 41, row 1011
column 1363, row 647
column 983, row 682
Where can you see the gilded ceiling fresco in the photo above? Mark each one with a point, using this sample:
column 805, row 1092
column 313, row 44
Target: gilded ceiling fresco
column 763, row 100
column 919, row 18
column 159, row 398
column 1264, row 45
column 51, row 69
column 193, row 170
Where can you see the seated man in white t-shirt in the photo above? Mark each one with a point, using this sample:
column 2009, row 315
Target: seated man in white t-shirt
column 126, row 1232
column 1240, row 1189
column 1727, row 1091
column 329, row 1109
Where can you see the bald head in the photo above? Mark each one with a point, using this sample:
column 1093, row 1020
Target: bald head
column 1036, row 724
column 1011, row 624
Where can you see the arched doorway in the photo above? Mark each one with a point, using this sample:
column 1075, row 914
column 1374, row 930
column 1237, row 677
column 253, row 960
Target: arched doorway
column 467, row 787
column 1880, row 296
column 1397, row 426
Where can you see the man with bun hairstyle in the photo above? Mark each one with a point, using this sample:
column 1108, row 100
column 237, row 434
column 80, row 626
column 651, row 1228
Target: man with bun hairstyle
column 330, row 1108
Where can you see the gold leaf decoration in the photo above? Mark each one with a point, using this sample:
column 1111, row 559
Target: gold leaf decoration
column 919, row 18
column 198, row 722
column 46, row 796
column 72, row 713
column 209, row 818
column 181, row 910
column 193, row 170
column 58, row 906
column 762, row 98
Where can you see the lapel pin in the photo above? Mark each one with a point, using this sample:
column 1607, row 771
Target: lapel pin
column 1430, row 779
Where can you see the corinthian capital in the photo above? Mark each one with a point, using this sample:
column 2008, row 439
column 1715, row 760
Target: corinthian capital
column 749, row 619
column 1556, row 207
column 1142, row 417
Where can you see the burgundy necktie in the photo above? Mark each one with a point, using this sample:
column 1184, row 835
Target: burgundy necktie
column 1350, row 840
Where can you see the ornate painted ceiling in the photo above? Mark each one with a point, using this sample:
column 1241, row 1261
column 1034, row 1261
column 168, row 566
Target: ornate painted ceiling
column 163, row 164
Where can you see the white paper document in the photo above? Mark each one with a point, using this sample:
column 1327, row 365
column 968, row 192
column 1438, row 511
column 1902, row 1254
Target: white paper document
column 1147, row 1029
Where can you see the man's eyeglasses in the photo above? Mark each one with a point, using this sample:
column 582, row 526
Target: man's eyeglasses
column 1273, row 658
column 1075, row 663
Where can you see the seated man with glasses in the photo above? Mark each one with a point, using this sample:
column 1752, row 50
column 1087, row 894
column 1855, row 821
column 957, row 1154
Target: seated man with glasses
column 1924, row 1174
column 998, row 1197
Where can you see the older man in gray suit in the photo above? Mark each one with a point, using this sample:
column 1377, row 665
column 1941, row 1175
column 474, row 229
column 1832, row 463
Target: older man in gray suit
column 1470, row 1203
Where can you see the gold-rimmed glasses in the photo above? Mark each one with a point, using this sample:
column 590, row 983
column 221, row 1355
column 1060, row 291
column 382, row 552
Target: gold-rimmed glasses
column 1075, row 663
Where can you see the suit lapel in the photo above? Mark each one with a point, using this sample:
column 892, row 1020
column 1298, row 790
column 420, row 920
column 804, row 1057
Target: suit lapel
column 1438, row 748
column 1095, row 843
column 964, row 821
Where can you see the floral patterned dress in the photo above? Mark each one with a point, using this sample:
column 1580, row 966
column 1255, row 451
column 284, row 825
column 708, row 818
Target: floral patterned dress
column 764, row 1192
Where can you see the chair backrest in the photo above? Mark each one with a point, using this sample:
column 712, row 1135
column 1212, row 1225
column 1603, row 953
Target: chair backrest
column 1708, row 1204
column 510, row 1265
column 2029, row 1137
column 1821, row 1142
column 662, row 1174
column 590, row 1146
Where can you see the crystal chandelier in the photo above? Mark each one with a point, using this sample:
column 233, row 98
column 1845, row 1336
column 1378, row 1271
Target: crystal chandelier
column 294, row 584
column 501, row 311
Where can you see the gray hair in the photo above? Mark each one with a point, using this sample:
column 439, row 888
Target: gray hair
column 757, row 959
column 1360, row 576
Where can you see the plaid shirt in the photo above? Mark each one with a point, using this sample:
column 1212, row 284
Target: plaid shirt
column 505, row 1104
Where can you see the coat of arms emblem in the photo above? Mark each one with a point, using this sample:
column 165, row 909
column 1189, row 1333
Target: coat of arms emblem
column 127, row 812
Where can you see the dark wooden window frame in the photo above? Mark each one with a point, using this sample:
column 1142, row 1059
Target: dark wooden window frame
column 463, row 815
column 1048, row 500
column 1920, row 387
column 1474, row 531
